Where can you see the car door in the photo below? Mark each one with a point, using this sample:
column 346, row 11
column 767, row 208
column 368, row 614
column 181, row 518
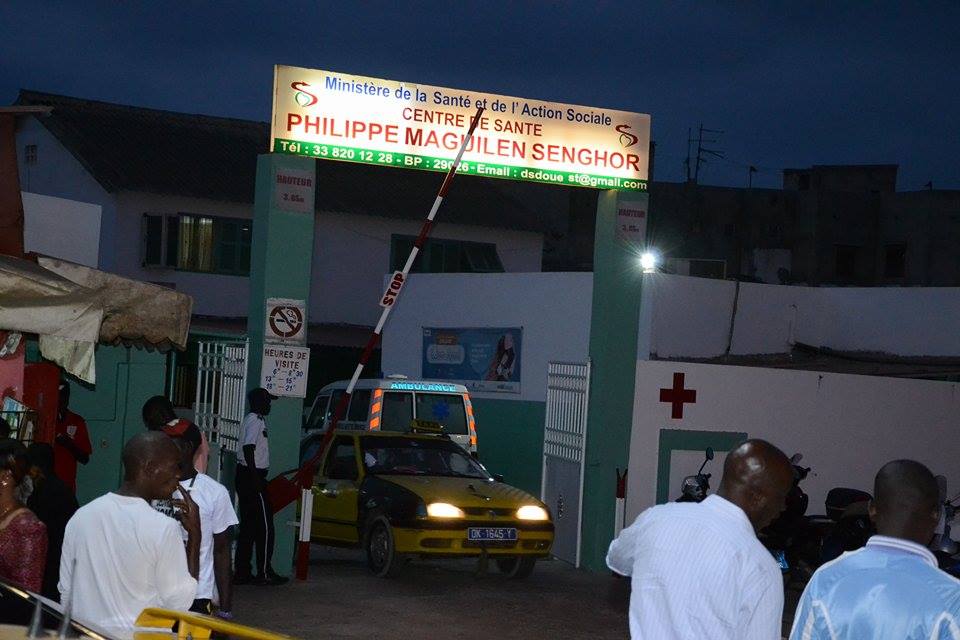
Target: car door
column 336, row 490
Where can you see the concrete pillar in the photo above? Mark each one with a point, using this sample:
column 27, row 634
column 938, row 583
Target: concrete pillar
column 617, row 280
column 280, row 266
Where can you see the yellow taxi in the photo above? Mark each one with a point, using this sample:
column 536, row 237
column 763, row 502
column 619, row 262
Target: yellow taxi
column 401, row 495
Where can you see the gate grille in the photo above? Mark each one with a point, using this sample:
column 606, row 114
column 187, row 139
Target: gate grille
column 221, row 391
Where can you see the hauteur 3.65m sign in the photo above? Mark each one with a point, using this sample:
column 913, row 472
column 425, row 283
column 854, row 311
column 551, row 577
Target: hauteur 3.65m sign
column 330, row 115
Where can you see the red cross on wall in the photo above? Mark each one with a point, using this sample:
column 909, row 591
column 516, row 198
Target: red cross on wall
column 678, row 396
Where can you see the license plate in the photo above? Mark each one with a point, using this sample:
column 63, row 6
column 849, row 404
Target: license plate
column 491, row 534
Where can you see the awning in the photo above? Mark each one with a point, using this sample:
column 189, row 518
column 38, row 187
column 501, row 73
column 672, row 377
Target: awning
column 72, row 307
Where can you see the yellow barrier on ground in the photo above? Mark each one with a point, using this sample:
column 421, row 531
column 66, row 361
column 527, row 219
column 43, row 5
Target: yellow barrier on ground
column 196, row 626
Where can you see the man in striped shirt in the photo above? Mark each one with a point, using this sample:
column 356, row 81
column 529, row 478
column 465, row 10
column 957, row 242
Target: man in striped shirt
column 697, row 569
column 892, row 588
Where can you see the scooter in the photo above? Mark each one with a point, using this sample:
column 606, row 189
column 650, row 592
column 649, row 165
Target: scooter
column 694, row 488
column 944, row 547
column 801, row 543
column 852, row 526
column 790, row 538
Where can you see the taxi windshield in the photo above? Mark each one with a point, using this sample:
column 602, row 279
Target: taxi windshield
column 420, row 457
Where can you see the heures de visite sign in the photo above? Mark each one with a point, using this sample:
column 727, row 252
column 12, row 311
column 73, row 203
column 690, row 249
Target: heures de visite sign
column 336, row 116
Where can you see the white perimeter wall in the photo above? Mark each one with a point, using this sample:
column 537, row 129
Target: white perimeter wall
column 691, row 318
column 351, row 255
column 62, row 228
column 552, row 308
column 846, row 426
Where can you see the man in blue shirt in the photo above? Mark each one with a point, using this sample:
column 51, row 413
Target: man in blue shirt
column 892, row 588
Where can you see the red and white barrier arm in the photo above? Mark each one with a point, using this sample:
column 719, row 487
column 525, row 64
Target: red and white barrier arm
column 388, row 301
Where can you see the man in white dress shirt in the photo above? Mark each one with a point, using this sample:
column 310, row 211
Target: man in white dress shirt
column 120, row 555
column 697, row 569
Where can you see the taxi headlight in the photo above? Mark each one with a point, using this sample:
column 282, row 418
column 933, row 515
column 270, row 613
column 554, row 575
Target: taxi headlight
column 444, row 510
column 532, row 512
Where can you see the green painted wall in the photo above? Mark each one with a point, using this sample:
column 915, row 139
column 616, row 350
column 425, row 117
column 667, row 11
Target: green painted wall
column 125, row 379
column 280, row 266
column 510, row 440
column 617, row 279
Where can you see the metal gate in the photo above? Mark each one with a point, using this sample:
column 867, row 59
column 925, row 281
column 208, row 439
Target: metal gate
column 564, row 446
column 221, row 396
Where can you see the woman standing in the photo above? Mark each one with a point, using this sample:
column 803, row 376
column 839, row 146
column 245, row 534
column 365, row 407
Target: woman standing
column 23, row 538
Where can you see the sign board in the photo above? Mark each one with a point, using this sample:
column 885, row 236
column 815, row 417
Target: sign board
column 485, row 359
column 294, row 190
column 284, row 370
column 286, row 321
column 335, row 116
column 632, row 222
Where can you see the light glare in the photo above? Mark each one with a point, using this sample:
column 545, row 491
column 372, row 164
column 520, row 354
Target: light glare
column 532, row 512
column 648, row 262
column 444, row 510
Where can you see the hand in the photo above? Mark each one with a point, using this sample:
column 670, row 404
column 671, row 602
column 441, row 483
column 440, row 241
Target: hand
column 189, row 514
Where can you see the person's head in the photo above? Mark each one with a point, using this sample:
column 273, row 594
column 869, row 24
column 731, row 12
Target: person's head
column 757, row 477
column 151, row 465
column 13, row 466
column 157, row 413
column 40, row 459
column 64, row 390
column 5, row 429
column 260, row 400
column 186, row 435
column 906, row 501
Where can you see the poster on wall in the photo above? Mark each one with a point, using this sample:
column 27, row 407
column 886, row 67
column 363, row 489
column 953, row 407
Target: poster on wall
column 482, row 359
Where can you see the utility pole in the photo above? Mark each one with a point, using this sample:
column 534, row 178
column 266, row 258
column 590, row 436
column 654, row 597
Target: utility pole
column 689, row 142
column 703, row 151
column 750, row 171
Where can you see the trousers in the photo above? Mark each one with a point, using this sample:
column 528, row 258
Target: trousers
column 256, row 524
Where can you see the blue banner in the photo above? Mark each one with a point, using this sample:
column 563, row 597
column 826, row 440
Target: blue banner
column 485, row 359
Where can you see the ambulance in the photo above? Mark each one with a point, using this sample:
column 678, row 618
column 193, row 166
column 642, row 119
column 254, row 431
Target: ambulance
column 392, row 404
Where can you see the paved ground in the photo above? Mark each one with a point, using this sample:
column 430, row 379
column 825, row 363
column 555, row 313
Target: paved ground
column 436, row 599
column 441, row 599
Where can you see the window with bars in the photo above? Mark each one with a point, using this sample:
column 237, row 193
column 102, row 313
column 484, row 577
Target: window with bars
column 191, row 242
column 446, row 256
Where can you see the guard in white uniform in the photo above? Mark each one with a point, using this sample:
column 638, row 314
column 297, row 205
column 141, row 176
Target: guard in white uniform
column 256, row 515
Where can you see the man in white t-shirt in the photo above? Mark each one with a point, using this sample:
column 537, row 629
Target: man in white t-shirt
column 256, row 515
column 216, row 518
column 121, row 556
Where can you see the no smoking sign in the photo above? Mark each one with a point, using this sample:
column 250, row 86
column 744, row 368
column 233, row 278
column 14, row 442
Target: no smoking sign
column 286, row 321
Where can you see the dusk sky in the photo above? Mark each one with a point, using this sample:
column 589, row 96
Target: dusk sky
column 791, row 84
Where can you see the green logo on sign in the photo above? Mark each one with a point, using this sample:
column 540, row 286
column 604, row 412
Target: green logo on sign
column 303, row 97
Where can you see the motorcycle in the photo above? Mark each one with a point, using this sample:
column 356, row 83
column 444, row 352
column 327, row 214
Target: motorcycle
column 800, row 542
column 944, row 547
column 694, row 488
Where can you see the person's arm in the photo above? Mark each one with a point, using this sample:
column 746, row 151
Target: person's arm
column 78, row 445
column 803, row 618
column 622, row 551
column 221, row 569
column 31, row 555
column 202, row 456
column 251, row 433
column 67, row 558
column 766, row 620
column 190, row 519
column 176, row 584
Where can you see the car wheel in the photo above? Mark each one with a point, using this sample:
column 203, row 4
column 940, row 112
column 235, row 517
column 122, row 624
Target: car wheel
column 516, row 568
column 382, row 556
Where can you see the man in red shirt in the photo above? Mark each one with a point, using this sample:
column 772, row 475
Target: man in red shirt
column 72, row 444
